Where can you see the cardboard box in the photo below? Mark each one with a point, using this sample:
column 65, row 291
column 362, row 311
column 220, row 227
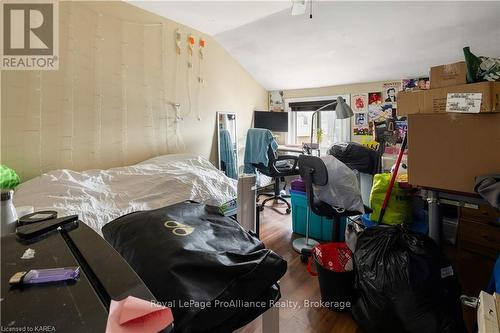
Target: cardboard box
column 434, row 100
column 448, row 75
column 409, row 102
column 447, row 151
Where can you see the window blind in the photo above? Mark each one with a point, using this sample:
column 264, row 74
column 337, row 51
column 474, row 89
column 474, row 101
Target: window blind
column 311, row 105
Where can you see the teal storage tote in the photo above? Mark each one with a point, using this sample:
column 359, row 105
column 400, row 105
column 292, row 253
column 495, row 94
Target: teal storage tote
column 320, row 228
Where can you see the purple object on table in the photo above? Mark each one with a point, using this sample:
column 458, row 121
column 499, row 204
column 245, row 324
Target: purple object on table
column 298, row 185
column 35, row 276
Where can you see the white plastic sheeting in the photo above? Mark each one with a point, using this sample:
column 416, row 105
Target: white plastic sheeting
column 100, row 196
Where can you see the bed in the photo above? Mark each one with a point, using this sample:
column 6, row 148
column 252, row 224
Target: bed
column 121, row 196
column 100, row 196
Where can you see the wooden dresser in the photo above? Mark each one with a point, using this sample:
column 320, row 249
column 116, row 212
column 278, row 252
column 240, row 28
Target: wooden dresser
column 478, row 246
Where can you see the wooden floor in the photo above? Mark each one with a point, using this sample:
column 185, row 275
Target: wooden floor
column 297, row 285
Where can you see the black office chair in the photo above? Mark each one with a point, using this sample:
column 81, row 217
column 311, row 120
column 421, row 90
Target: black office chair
column 314, row 172
column 278, row 167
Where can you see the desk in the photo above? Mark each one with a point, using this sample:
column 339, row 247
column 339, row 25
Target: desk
column 290, row 149
column 434, row 197
column 295, row 149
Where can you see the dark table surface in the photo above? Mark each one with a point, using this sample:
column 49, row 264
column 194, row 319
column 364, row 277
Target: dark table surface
column 77, row 306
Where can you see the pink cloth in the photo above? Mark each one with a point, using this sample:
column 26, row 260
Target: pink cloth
column 132, row 315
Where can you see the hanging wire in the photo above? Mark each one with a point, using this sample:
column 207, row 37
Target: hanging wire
column 124, row 96
column 164, row 83
column 98, row 93
column 40, row 100
column 200, row 82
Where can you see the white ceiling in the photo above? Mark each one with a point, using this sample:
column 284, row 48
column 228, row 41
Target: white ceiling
column 213, row 17
column 344, row 42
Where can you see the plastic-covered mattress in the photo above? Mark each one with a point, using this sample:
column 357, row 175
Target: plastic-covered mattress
column 100, row 196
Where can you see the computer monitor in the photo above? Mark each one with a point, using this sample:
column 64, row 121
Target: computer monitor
column 273, row 121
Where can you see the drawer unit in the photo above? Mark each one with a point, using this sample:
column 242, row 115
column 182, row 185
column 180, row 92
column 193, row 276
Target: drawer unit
column 478, row 246
column 484, row 239
column 485, row 214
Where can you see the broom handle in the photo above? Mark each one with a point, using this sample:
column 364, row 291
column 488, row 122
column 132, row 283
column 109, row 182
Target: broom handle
column 393, row 180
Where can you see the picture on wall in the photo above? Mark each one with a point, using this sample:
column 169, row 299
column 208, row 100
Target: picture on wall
column 374, row 98
column 276, row 102
column 359, row 103
column 422, row 83
column 375, row 111
column 409, row 84
column 390, row 91
column 400, row 126
column 360, row 119
column 361, row 126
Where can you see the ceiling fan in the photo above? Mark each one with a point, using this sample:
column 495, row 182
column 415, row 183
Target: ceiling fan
column 299, row 7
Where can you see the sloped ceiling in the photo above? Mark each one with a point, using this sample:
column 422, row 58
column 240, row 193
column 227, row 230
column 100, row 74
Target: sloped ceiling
column 344, row 42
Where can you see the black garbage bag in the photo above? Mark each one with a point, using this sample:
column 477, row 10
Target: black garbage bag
column 404, row 284
column 356, row 156
column 214, row 275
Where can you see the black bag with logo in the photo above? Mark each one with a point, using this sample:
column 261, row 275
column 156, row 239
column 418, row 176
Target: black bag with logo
column 404, row 284
column 185, row 255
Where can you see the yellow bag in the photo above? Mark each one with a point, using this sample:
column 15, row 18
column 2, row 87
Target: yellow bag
column 399, row 208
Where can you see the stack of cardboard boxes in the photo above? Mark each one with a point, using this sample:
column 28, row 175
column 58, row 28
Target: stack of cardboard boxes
column 453, row 130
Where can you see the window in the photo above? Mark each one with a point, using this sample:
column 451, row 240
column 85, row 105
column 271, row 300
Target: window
column 299, row 126
column 302, row 126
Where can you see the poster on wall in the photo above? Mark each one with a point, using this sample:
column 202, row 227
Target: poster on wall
column 361, row 126
column 390, row 91
column 390, row 94
column 276, row 100
column 375, row 110
column 422, row 83
column 374, row 98
column 409, row 84
column 400, row 126
column 359, row 103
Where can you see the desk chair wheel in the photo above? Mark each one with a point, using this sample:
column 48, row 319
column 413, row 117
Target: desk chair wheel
column 260, row 208
column 288, row 210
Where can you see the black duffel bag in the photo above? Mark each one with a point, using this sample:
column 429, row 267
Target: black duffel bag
column 356, row 156
column 404, row 284
column 214, row 275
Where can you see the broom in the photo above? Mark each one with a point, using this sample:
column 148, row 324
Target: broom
column 393, row 180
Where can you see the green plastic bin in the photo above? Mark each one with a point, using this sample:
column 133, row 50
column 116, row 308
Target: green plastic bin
column 320, row 228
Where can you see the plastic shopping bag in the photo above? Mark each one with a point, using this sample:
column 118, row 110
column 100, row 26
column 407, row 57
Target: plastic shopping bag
column 342, row 190
column 399, row 209
column 8, row 177
column 481, row 68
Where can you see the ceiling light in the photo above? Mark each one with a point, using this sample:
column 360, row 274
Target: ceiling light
column 298, row 7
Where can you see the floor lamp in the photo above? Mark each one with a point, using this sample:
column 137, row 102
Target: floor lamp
column 342, row 111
